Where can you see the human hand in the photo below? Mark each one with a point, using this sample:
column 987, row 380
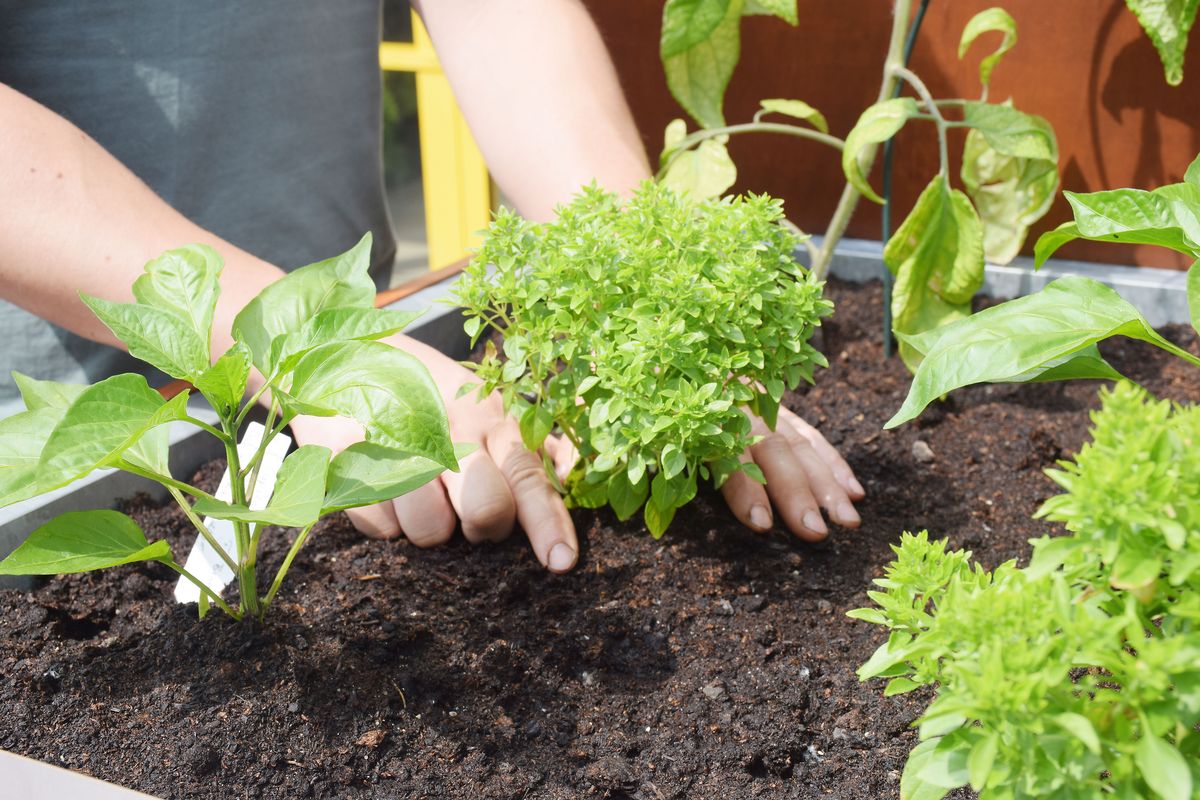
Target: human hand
column 804, row 474
column 499, row 483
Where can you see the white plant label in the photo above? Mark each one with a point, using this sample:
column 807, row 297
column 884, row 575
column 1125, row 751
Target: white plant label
column 203, row 561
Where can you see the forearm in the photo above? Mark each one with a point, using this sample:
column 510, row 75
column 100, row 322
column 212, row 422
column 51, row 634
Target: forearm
column 74, row 219
column 541, row 96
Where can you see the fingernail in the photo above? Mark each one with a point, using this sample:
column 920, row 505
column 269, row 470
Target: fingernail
column 561, row 558
column 760, row 517
column 847, row 514
column 855, row 486
column 812, row 520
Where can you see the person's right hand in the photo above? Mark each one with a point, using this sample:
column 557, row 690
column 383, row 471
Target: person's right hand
column 500, row 483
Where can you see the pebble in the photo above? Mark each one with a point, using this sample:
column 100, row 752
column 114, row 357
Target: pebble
column 293, row 708
column 752, row 602
column 713, row 691
column 724, row 608
column 922, row 452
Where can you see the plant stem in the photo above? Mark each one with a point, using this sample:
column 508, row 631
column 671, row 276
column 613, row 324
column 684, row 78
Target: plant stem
column 850, row 195
column 283, row 568
column 213, row 596
column 922, row 91
column 694, row 139
column 202, row 528
column 205, row 426
column 246, row 582
column 249, row 404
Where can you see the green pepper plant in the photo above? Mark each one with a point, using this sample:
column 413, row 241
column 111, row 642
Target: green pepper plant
column 936, row 256
column 644, row 332
column 311, row 335
column 1052, row 334
column 1078, row 676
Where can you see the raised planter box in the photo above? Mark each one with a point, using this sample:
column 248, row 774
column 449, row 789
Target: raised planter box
column 1158, row 293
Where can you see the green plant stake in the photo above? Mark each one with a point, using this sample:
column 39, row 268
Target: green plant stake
column 312, row 334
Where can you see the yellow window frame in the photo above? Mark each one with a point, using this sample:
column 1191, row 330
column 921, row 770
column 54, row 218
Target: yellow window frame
column 454, row 178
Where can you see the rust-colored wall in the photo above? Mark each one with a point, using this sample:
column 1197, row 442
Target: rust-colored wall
column 1083, row 64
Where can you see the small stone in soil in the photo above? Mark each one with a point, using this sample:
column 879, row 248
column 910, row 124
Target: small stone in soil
column 751, row 603
column 922, row 452
column 713, row 691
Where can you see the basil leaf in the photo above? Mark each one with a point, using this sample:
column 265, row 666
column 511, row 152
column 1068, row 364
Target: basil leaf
column 82, row 541
column 877, row 124
column 286, row 305
column 367, row 473
column 1163, row 768
column 388, row 391
column 626, row 497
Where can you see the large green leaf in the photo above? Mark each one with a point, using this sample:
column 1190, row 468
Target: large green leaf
column 877, row 124
column 367, row 473
column 784, row 9
column 22, row 437
column 1167, row 23
column 937, row 257
column 1009, row 341
column 1192, row 175
column 704, row 171
column 46, row 394
column 160, row 338
column 82, row 541
column 224, row 383
column 296, row 501
column 284, row 306
column 700, row 46
column 1009, row 192
column 388, row 391
column 1164, row 217
column 1012, row 132
column 337, row 325
column 1163, row 768
column 105, row 421
column 184, row 281
column 989, row 20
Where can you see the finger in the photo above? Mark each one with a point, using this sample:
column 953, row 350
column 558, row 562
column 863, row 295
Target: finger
column 563, row 454
column 747, row 499
column 539, row 508
column 425, row 515
column 824, row 487
column 787, row 486
column 377, row 521
column 480, row 496
column 827, row 453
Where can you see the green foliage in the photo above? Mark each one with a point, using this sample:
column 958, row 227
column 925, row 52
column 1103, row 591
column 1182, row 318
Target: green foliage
column 1167, row 23
column 1079, row 676
column 936, row 257
column 310, row 335
column 1052, row 334
column 988, row 21
column 1010, row 164
column 644, row 333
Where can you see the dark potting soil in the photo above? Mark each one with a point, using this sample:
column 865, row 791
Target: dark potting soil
column 712, row 663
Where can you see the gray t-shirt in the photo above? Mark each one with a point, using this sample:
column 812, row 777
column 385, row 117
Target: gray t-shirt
column 259, row 121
